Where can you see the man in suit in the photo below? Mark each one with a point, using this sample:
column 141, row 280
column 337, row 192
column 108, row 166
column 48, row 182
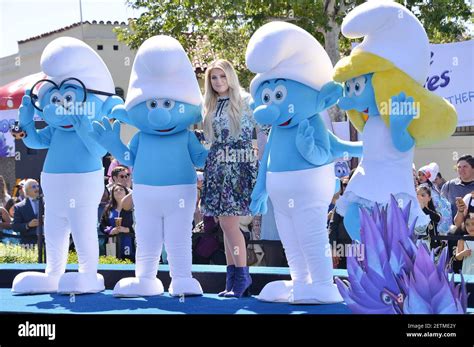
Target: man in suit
column 25, row 217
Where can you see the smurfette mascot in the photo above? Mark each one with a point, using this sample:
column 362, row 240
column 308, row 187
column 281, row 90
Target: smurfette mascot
column 78, row 88
column 386, row 102
column 163, row 100
column 292, row 86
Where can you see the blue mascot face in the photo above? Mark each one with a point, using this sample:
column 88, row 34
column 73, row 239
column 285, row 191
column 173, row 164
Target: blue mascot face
column 60, row 102
column 341, row 169
column 284, row 103
column 164, row 116
column 359, row 95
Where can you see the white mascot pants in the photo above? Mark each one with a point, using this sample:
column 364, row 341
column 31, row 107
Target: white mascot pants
column 71, row 204
column 300, row 201
column 163, row 214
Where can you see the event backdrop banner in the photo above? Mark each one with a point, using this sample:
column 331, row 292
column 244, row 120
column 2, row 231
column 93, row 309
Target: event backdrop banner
column 452, row 77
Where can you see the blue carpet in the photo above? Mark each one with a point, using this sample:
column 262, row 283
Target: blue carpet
column 105, row 303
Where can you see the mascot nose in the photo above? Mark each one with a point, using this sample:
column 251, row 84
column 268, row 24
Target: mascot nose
column 159, row 117
column 266, row 114
column 51, row 113
column 346, row 103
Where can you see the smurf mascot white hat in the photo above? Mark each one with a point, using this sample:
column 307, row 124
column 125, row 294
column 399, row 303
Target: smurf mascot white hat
column 392, row 32
column 162, row 70
column 284, row 50
column 69, row 57
column 430, row 171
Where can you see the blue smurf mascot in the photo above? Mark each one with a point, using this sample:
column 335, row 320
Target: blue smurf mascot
column 163, row 100
column 78, row 89
column 292, row 86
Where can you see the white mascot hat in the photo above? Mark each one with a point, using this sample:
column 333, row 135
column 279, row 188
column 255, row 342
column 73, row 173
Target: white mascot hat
column 162, row 70
column 284, row 50
column 391, row 32
column 67, row 57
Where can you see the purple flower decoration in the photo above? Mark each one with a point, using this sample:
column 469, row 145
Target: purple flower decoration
column 395, row 275
column 4, row 148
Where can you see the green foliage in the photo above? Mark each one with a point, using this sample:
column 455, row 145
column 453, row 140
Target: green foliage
column 222, row 28
column 17, row 254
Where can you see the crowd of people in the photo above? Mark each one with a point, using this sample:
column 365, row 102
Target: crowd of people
column 449, row 205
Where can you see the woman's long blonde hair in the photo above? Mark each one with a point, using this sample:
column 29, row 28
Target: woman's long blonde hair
column 210, row 99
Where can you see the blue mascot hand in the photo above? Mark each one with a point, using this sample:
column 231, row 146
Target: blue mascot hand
column 26, row 111
column 402, row 112
column 305, row 139
column 106, row 134
column 120, row 113
column 258, row 204
column 81, row 124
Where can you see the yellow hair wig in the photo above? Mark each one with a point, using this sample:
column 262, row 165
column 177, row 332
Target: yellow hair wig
column 437, row 118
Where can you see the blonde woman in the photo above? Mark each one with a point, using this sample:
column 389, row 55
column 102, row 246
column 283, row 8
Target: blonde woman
column 231, row 167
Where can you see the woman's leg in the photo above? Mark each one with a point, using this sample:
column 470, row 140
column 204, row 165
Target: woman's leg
column 228, row 252
column 235, row 244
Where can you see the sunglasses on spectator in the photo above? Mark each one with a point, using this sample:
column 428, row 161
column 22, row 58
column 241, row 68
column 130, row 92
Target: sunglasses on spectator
column 35, row 186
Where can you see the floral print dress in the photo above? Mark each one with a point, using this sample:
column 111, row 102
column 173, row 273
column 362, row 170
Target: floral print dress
column 231, row 168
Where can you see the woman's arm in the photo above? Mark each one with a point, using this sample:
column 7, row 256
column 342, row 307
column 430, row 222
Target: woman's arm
column 127, row 202
column 460, row 251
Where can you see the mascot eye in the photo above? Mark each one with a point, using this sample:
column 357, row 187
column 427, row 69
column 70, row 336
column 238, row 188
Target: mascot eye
column 386, row 299
column 349, row 90
column 359, row 85
column 70, row 97
column 56, row 98
column 168, row 104
column 280, row 94
column 151, row 104
column 267, row 96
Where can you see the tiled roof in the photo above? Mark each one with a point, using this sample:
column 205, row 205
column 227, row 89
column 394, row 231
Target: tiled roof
column 197, row 61
column 70, row 27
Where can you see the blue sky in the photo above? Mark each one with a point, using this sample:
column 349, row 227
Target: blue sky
column 21, row 19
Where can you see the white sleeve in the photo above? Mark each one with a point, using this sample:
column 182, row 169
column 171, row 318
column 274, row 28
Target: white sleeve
column 466, row 199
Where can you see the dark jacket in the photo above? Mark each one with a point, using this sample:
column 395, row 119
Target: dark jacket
column 23, row 214
column 123, row 240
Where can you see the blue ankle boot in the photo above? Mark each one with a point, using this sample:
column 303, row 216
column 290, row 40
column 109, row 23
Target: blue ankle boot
column 242, row 282
column 229, row 280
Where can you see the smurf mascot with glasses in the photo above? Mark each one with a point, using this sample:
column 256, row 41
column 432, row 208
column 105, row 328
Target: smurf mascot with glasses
column 292, row 86
column 78, row 88
column 385, row 100
column 163, row 100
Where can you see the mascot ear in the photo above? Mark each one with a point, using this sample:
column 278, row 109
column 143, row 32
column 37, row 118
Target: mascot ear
column 197, row 111
column 329, row 95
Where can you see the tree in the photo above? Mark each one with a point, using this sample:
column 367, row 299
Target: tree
column 209, row 29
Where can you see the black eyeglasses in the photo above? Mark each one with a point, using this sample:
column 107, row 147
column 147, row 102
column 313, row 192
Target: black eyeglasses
column 80, row 85
column 124, row 176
